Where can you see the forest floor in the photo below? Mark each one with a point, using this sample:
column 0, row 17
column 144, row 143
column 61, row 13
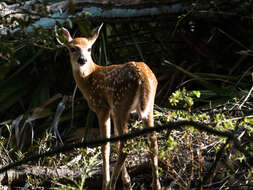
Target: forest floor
column 188, row 158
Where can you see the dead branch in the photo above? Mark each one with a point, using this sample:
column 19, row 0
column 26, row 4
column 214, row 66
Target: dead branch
column 168, row 126
column 113, row 11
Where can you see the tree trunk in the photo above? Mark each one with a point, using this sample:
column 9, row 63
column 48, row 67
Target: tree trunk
column 113, row 11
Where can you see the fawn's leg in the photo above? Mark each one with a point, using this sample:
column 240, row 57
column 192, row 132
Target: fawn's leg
column 153, row 147
column 120, row 122
column 124, row 174
column 105, row 131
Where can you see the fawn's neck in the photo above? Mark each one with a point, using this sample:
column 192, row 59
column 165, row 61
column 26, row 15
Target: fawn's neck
column 82, row 76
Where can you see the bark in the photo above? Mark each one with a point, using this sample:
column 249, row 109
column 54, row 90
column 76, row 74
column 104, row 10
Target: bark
column 46, row 173
column 43, row 172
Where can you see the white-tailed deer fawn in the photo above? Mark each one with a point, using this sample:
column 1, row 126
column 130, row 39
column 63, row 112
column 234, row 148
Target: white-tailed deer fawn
column 115, row 91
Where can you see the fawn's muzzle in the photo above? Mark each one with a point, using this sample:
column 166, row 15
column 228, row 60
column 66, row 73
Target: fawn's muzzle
column 81, row 60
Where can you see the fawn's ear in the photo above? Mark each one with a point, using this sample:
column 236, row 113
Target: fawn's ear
column 95, row 34
column 66, row 34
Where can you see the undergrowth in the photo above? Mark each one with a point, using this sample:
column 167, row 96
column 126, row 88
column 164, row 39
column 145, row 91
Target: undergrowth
column 188, row 158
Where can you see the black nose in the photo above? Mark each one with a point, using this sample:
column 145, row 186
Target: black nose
column 82, row 60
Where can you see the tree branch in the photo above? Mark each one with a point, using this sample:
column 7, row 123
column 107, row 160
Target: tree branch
column 168, row 126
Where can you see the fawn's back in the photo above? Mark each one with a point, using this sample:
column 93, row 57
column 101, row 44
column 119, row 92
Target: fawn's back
column 127, row 86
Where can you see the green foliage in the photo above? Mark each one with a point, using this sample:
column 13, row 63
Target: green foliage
column 86, row 163
column 183, row 98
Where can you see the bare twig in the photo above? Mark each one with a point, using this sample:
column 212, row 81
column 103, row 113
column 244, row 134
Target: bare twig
column 247, row 97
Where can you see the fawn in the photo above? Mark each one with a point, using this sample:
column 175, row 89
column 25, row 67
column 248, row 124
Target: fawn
column 114, row 91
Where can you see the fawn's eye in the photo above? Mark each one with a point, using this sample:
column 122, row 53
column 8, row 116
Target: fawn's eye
column 74, row 49
column 89, row 49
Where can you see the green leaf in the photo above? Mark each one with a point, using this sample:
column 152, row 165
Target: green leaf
column 196, row 93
